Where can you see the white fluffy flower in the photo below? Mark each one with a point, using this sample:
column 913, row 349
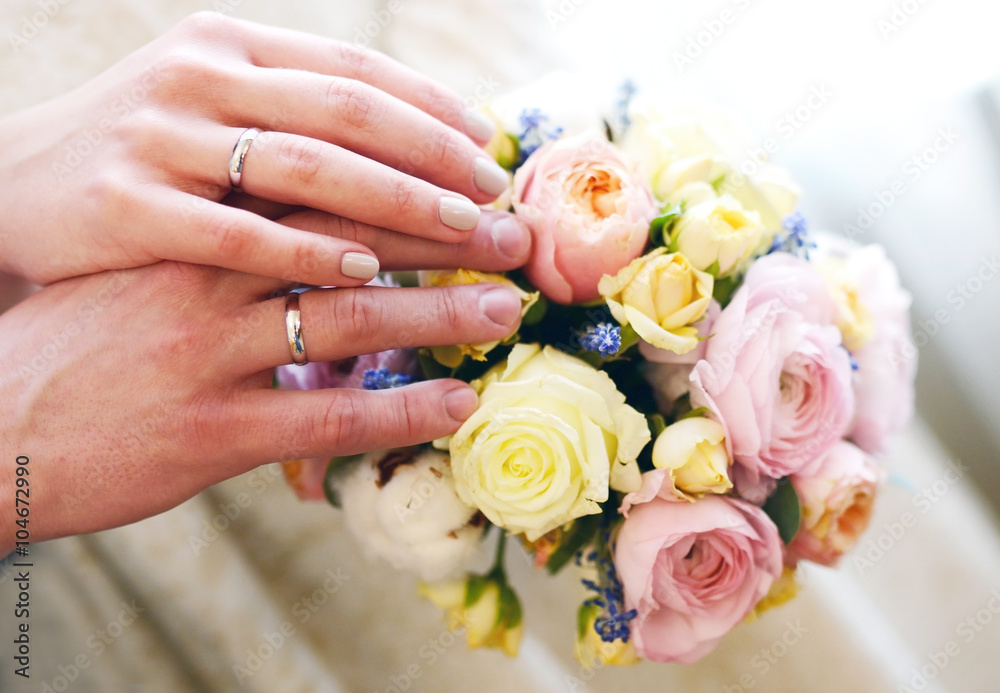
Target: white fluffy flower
column 403, row 508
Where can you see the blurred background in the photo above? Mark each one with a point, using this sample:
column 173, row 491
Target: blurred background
column 886, row 112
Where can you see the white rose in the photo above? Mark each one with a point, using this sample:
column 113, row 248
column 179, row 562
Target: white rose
column 550, row 435
column 403, row 507
column 718, row 231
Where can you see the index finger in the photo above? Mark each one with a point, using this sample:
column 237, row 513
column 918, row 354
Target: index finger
column 274, row 47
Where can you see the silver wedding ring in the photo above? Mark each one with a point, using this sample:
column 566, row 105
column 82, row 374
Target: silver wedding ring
column 239, row 153
column 293, row 326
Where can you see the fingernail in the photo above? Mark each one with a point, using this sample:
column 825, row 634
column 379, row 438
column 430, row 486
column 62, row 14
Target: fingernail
column 500, row 305
column 477, row 125
column 511, row 238
column 460, row 403
column 359, row 266
column 490, row 177
column 458, row 213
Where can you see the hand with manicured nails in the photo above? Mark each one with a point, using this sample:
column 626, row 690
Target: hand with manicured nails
column 131, row 391
column 133, row 167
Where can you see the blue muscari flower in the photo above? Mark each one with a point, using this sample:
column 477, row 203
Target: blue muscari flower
column 613, row 623
column 605, row 339
column 382, row 379
column 795, row 240
column 535, row 131
column 626, row 92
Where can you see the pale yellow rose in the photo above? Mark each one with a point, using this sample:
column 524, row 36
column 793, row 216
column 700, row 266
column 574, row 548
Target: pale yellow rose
column 591, row 651
column 694, row 453
column 493, row 620
column 719, row 231
column 550, row 436
column 452, row 356
column 782, row 591
column 660, row 295
column 854, row 319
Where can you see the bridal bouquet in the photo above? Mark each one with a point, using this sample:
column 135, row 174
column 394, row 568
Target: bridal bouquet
column 691, row 406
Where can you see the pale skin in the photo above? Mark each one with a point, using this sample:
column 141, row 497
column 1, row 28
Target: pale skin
column 133, row 389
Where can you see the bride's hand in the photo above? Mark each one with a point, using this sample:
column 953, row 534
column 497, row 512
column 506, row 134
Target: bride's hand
column 133, row 167
column 130, row 391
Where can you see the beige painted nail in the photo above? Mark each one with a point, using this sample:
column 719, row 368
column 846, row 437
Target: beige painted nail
column 477, row 125
column 490, row 177
column 359, row 266
column 458, row 213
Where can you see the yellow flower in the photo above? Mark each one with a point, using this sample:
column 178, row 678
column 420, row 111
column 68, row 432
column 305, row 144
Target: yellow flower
column 783, row 590
column 694, row 452
column 660, row 295
column 593, row 652
column 855, row 321
column 719, row 233
column 486, row 607
column 550, row 436
column 451, row 356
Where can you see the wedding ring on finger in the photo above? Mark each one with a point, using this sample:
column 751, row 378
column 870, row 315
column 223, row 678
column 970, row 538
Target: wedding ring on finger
column 293, row 327
column 239, row 154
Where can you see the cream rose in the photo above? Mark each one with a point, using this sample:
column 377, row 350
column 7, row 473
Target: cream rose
column 719, row 231
column 550, row 435
column 690, row 460
column 660, row 295
column 452, row 356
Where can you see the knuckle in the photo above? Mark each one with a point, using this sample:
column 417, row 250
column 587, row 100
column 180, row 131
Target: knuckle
column 441, row 102
column 444, row 149
column 403, row 196
column 343, row 419
column 359, row 62
column 355, row 103
column 355, row 313
column 406, row 413
column 229, row 237
column 450, row 310
column 302, row 157
column 205, row 24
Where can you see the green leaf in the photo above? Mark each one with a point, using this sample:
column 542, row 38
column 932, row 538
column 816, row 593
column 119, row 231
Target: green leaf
column 661, row 226
column 474, row 589
column 657, row 424
column 429, row 365
column 717, row 183
column 510, row 607
column 579, row 535
column 724, row 289
column 536, row 312
column 785, row 511
column 700, row 411
column 629, row 338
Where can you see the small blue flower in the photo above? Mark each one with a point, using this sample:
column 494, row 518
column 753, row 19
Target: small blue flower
column 382, row 379
column 613, row 623
column 626, row 92
column 795, row 240
column 605, row 338
column 535, row 130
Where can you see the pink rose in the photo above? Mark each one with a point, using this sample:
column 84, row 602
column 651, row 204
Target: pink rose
column 886, row 365
column 693, row 571
column 306, row 476
column 669, row 374
column 588, row 211
column 837, row 492
column 775, row 373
